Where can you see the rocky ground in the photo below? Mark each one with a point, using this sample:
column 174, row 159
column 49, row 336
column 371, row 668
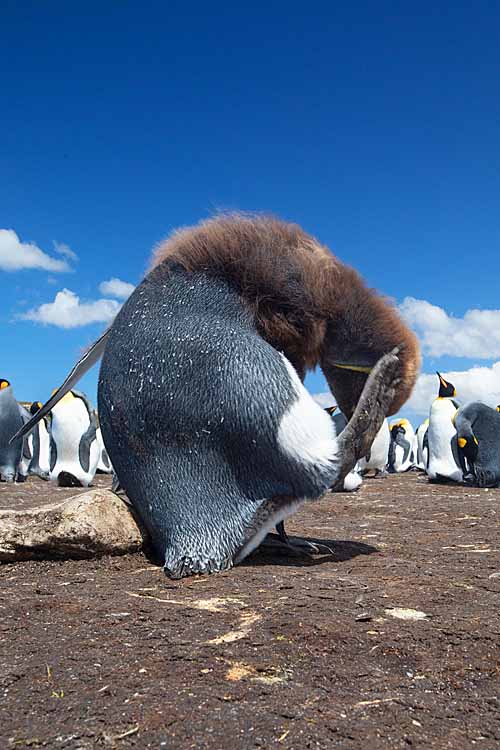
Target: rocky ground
column 389, row 642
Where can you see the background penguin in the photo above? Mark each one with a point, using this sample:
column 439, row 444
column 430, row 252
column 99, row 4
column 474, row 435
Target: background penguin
column 26, row 453
column 74, row 452
column 376, row 460
column 478, row 438
column 444, row 459
column 104, row 464
column 401, row 447
column 239, row 308
column 353, row 480
column 10, row 422
column 40, row 445
column 423, row 445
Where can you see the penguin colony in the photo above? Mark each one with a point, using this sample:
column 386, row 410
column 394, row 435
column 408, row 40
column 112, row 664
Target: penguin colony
column 65, row 446
column 454, row 444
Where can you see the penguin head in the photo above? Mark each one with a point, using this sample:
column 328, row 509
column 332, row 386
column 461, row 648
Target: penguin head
column 468, row 443
column 498, row 407
column 4, row 384
column 398, row 427
column 446, row 390
column 35, row 406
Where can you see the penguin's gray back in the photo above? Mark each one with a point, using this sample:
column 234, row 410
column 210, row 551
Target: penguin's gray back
column 10, row 422
column 485, row 425
column 209, row 429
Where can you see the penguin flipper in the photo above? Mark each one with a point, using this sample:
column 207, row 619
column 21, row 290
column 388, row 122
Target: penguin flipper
column 357, row 437
column 84, row 364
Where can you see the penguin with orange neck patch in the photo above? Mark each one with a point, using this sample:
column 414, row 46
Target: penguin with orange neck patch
column 478, row 438
column 40, row 444
column 444, row 461
column 401, row 447
column 203, row 412
column 74, row 451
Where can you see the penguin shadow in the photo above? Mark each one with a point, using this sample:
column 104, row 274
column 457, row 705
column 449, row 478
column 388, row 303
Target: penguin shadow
column 341, row 551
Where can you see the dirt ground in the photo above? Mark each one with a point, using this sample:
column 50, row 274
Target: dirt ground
column 391, row 642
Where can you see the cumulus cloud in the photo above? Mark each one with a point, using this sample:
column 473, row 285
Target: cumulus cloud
column 324, row 399
column 116, row 288
column 68, row 311
column 16, row 255
column 476, row 335
column 63, row 249
column 476, row 384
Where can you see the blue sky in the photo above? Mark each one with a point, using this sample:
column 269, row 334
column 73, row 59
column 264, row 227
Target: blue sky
column 374, row 126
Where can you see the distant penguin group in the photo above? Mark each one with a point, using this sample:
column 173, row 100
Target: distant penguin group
column 201, row 402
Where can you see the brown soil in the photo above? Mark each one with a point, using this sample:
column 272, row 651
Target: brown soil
column 277, row 653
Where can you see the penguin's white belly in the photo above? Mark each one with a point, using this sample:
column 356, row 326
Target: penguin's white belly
column 69, row 424
column 441, row 459
column 379, row 452
column 44, row 457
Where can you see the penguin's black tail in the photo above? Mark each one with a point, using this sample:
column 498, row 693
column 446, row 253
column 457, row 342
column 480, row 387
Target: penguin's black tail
column 486, row 478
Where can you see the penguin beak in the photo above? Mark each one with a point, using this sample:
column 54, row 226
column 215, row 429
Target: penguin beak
column 354, row 368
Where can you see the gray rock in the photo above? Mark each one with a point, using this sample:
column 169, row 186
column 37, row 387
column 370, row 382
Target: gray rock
column 91, row 524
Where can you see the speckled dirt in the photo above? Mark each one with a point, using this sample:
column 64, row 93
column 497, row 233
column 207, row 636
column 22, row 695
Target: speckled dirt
column 277, row 653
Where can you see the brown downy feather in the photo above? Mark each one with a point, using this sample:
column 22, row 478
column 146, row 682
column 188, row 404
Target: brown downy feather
column 306, row 303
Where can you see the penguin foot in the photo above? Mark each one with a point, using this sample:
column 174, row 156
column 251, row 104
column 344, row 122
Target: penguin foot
column 357, row 437
column 298, row 545
column 65, row 479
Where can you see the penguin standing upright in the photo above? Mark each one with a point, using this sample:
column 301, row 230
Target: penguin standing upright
column 238, row 309
column 423, row 445
column 378, row 456
column 10, row 422
column 444, row 460
column 74, row 452
column 478, row 438
column 40, row 445
column 401, row 448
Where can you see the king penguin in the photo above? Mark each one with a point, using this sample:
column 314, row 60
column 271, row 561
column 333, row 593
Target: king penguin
column 478, row 438
column 444, row 462
column 74, row 452
column 10, row 422
column 238, row 309
column 26, row 453
column 423, row 445
column 104, row 464
column 376, row 460
column 40, row 445
column 401, row 447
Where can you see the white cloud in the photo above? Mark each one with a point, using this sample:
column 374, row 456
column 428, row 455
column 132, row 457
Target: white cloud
column 116, row 288
column 324, row 399
column 67, row 311
column 476, row 335
column 16, row 255
column 476, row 384
column 63, row 249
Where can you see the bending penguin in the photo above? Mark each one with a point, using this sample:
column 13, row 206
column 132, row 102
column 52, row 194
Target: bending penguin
column 377, row 457
column 74, row 452
column 401, row 448
column 10, row 422
column 478, row 438
column 444, row 462
column 239, row 308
